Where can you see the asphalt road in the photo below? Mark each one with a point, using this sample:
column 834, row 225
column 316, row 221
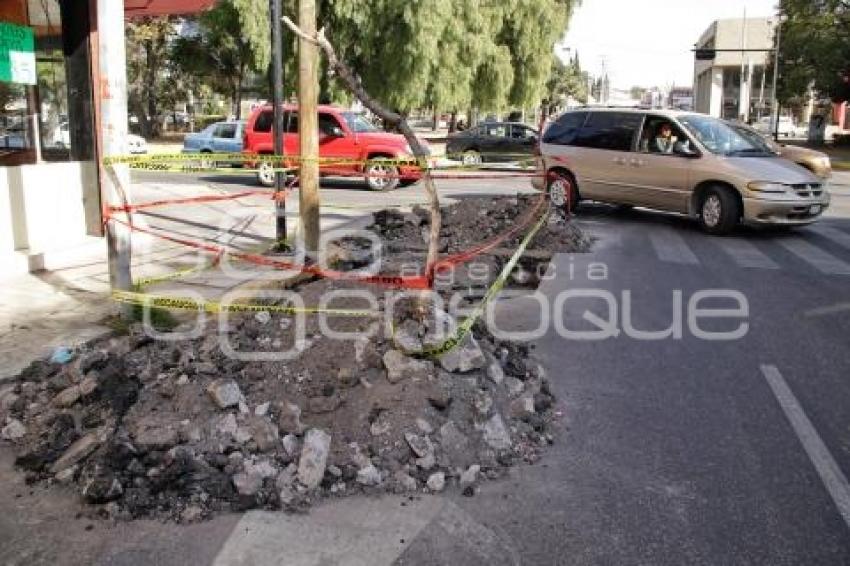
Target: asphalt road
column 679, row 450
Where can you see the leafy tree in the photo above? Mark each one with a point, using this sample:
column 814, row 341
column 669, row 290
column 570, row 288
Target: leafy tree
column 815, row 49
column 148, row 60
column 232, row 40
column 566, row 80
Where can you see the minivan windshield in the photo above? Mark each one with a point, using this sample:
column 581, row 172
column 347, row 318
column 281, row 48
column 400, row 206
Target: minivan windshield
column 719, row 137
column 358, row 123
column 754, row 136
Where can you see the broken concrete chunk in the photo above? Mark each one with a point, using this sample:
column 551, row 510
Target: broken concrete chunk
column 14, row 430
column 77, row 452
column 324, row 404
column 247, row 483
column 401, row 367
column 263, row 317
column 514, row 386
column 482, row 403
column 405, row 481
column 262, row 409
column 68, row 396
column 289, row 418
column 265, row 434
column 225, row 393
column 421, row 445
column 466, row 357
column 370, row 475
column 102, row 488
column 523, row 406
column 469, row 476
column 495, row 373
column 290, row 444
column 314, row 457
column 406, row 337
column 436, row 482
column 496, row 434
column 149, row 433
column 88, row 386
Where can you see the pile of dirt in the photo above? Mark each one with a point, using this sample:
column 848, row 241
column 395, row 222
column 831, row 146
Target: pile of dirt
column 187, row 428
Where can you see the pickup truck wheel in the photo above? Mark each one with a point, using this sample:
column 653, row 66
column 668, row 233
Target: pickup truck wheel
column 266, row 174
column 381, row 175
column 471, row 158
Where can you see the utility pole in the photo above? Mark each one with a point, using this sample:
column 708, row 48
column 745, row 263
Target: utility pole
column 114, row 179
column 308, row 99
column 277, row 128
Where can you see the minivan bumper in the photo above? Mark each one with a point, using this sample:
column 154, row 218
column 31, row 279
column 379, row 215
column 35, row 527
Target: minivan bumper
column 788, row 212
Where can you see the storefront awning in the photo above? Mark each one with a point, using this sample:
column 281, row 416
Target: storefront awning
column 136, row 8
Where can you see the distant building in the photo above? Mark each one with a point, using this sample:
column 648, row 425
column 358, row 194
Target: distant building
column 735, row 84
column 681, row 98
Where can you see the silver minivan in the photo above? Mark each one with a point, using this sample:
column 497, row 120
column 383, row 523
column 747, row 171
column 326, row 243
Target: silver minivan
column 674, row 161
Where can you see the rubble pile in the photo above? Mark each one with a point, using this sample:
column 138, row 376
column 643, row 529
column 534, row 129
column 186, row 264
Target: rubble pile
column 187, row 428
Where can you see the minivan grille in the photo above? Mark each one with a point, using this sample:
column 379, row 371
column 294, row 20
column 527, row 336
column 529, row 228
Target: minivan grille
column 808, row 190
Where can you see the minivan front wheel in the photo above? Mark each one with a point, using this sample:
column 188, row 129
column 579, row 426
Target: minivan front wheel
column 719, row 211
column 562, row 192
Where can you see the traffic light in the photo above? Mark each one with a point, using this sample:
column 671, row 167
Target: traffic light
column 705, row 54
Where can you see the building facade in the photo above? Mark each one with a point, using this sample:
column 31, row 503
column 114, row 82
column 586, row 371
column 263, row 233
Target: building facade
column 736, row 84
column 63, row 106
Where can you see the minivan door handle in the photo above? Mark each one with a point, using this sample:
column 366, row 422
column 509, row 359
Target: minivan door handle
column 620, row 160
column 637, row 162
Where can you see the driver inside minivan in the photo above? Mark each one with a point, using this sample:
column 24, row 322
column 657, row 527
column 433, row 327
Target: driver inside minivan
column 664, row 140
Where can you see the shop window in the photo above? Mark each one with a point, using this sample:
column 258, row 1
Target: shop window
column 52, row 119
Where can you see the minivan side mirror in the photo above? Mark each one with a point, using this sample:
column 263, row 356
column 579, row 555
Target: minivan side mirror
column 684, row 149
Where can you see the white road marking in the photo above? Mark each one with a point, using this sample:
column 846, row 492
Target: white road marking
column 831, row 309
column 834, row 234
column 745, row 253
column 831, row 475
column 816, row 257
column 671, row 247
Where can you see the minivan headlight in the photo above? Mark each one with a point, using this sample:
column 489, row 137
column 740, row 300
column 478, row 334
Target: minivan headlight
column 767, row 187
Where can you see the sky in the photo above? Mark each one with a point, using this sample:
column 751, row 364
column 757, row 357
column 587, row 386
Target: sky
column 648, row 42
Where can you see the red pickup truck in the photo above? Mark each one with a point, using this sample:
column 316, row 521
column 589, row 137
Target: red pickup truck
column 343, row 135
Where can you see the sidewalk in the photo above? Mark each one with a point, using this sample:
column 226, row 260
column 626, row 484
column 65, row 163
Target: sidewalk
column 68, row 306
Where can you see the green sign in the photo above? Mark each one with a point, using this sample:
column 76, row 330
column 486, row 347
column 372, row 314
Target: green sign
column 17, row 54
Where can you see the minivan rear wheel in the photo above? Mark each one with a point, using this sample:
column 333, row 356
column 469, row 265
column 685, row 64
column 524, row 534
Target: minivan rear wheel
column 562, row 192
column 719, row 211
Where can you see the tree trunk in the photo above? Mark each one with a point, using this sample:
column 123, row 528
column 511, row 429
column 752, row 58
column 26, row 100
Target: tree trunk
column 453, row 122
column 349, row 79
column 150, row 90
column 436, row 119
column 308, row 131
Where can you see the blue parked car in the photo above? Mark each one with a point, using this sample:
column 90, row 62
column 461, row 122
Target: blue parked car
column 221, row 137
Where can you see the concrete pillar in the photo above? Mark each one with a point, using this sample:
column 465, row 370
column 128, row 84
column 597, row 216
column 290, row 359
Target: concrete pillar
column 112, row 91
column 715, row 106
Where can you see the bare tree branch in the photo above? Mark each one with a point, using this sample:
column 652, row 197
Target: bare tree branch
column 347, row 76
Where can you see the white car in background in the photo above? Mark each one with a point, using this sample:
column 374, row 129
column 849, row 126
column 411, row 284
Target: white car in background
column 787, row 128
column 136, row 144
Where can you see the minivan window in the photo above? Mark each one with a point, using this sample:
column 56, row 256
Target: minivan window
column 720, row 138
column 609, row 130
column 565, row 128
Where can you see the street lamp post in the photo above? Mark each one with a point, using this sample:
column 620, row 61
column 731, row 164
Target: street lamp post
column 277, row 127
column 775, row 102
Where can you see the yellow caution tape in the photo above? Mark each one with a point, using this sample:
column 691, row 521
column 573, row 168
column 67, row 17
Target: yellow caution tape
column 465, row 327
column 175, row 302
